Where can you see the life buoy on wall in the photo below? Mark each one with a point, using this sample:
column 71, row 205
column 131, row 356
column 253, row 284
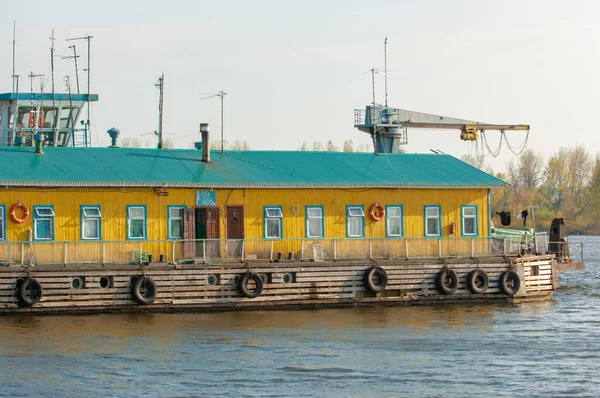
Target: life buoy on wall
column 376, row 216
column 32, row 119
column 13, row 216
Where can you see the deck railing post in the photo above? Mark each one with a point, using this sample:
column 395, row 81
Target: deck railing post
column 9, row 254
column 504, row 246
column 173, row 251
column 103, row 254
column 406, row 246
column 204, row 251
column 439, row 247
column 370, row 249
column 22, row 253
column 271, row 252
column 302, row 250
column 473, row 247
column 141, row 253
column 65, row 253
column 243, row 249
column 334, row 249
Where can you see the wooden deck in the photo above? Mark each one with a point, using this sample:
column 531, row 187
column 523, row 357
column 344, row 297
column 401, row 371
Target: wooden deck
column 214, row 287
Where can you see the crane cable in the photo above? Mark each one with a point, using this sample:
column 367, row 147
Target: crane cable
column 522, row 146
column 485, row 141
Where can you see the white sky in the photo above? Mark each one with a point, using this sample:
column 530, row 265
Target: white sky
column 294, row 71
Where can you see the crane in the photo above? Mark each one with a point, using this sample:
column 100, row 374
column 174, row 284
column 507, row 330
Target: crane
column 389, row 126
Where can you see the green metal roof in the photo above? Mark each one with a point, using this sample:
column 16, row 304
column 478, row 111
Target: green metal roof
column 142, row 167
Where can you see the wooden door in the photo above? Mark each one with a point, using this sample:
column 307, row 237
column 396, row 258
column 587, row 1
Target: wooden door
column 235, row 231
column 189, row 233
column 212, row 232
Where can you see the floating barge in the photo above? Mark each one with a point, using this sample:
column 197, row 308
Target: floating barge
column 119, row 229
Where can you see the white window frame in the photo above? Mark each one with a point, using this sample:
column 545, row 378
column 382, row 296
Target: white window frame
column 171, row 218
column 144, row 222
column 473, row 217
column 273, row 214
column 437, row 218
column 43, row 213
column 320, row 218
column 87, row 216
column 355, row 213
column 390, row 218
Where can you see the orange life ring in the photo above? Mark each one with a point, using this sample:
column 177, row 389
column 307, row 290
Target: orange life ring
column 373, row 215
column 14, row 217
column 32, row 119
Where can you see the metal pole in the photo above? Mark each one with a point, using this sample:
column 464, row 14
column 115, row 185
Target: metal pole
column 222, row 138
column 160, row 86
column 13, row 53
column 385, row 67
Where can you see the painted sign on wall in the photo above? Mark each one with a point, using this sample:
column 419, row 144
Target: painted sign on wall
column 206, row 198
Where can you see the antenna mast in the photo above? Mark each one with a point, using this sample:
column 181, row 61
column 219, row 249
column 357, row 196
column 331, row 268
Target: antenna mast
column 52, row 39
column 385, row 67
column 74, row 56
column 160, row 85
column 14, row 47
column 88, row 70
column 373, row 81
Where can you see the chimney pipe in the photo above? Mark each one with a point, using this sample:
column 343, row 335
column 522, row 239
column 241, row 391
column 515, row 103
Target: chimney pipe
column 39, row 143
column 205, row 130
column 114, row 134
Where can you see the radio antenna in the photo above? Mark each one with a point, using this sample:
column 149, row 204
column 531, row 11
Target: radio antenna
column 89, row 72
column 74, row 56
column 14, row 76
column 385, row 68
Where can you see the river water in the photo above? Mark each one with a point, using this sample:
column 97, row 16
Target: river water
column 543, row 349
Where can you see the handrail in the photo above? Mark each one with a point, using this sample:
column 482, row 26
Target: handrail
column 238, row 250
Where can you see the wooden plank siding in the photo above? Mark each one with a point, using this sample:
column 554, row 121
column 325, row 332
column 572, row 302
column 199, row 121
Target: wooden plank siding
column 330, row 283
column 113, row 202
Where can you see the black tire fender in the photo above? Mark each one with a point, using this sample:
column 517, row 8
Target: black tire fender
column 243, row 285
column 509, row 283
column 136, row 290
column 478, row 281
column 28, row 285
column 446, row 281
column 375, row 279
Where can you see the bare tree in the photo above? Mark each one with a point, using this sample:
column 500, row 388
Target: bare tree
column 348, row 146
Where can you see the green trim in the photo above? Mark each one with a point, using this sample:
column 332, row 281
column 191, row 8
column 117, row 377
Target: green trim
column 145, row 237
column 322, row 221
column 387, row 215
column 169, row 207
column 37, row 218
column 439, row 218
column 348, row 221
column 3, row 227
column 462, row 216
column 81, row 218
column 280, row 221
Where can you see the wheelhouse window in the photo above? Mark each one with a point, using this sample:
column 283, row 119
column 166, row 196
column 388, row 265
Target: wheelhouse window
column 136, row 222
column 273, row 223
column 2, row 222
column 91, row 223
column 355, row 218
column 176, row 222
column 432, row 221
column 394, row 221
column 314, row 222
column 469, row 220
column 43, row 220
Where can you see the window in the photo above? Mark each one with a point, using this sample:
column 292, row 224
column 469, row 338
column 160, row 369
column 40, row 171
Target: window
column 43, row 222
column 91, row 222
column 394, row 221
column 469, row 220
column 136, row 222
column 273, row 223
column 176, row 222
column 314, row 222
column 355, row 221
column 432, row 221
column 2, row 222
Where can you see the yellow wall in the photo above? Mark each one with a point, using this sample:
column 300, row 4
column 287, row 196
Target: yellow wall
column 67, row 203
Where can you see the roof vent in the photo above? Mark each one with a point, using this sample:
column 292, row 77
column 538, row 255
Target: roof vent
column 205, row 130
column 39, row 143
column 114, row 134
